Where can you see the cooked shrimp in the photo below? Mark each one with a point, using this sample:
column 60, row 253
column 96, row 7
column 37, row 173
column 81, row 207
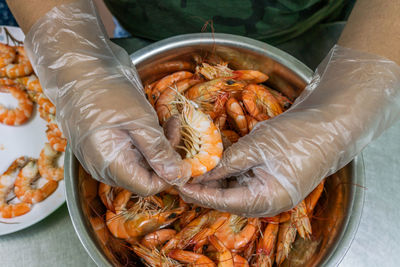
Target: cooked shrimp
column 282, row 100
column 157, row 238
column 280, row 218
column 22, row 68
column 237, row 232
column 266, row 245
column 147, row 92
column 204, row 94
column 235, row 111
column 250, row 76
column 47, row 164
column 200, row 239
column 218, row 107
column 31, row 83
column 312, row 199
column 7, row 54
column 168, row 81
column 23, row 184
column 106, row 196
column 22, row 113
column 100, row 229
column 224, row 256
column 211, row 72
column 301, row 220
column 55, row 137
column 165, row 106
column 153, row 257
column 251, row 122
column 194, row 259
column 16, row 70
column 143, row 218
column 181, row 239
column 45, row 115
column 239, row 261
column 7, row 180
column 286, row 237
column 45, row 103
column 7, row 81
column 232, row 136
column 202, row 140
column 260, row 103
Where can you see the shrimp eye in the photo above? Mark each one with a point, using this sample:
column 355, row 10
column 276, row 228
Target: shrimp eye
column 286, row 105
column 154, row 97
column 173, row 215
column 230, row 82
column 205, row 247
column 198, row 209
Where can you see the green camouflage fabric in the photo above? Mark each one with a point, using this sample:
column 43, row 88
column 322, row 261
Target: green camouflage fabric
column 266, row 20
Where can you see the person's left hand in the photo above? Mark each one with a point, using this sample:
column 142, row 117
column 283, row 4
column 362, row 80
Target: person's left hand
column 351, row 100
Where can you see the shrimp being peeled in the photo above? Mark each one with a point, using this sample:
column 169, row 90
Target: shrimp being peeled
column 201, row 138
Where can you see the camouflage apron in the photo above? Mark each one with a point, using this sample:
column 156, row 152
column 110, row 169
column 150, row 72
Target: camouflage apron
column 266, row 20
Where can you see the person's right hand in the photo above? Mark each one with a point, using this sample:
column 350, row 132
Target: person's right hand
column 101, row 108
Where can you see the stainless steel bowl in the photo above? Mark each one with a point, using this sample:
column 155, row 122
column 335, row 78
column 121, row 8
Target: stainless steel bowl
column 338, row 220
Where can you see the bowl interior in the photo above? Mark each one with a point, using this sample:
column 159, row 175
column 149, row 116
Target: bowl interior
column 333, row 212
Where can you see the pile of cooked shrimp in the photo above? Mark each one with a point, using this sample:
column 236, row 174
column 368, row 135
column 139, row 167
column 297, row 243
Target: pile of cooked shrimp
column 209, row 108
column 17, row 79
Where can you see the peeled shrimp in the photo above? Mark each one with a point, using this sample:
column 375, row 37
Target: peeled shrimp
column 23, row 184
column 7, row 54
column 31, row 83
column 55, row 137
column 16, row 70
column 45, row 103
column 7, row 180
column 47, row 162
column 22, row 113
column 202, row 140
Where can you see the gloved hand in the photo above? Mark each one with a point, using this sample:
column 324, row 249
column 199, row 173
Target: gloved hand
column 352, row 99
column 101, row 107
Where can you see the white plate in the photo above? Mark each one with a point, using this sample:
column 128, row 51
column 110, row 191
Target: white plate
column 25, row 140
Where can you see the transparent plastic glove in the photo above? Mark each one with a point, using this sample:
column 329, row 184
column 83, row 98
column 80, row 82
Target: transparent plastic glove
column 352, row 99
column 100, row 103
